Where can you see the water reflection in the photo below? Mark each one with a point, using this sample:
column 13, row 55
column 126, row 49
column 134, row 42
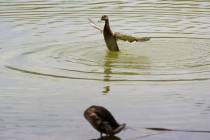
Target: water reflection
column 108, row 138
column 108, row 61
column 119, row 64
column 106, row 90
column 110, row 58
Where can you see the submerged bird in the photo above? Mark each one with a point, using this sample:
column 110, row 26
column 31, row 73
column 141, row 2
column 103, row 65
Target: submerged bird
column 102, row 120
column 112, row 37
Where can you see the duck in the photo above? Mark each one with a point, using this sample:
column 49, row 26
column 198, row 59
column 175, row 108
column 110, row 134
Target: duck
column 103, row 121
column 111, row 37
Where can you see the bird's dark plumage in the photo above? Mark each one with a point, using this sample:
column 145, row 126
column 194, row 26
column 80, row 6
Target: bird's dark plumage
column 110, row 39
column 102, row 120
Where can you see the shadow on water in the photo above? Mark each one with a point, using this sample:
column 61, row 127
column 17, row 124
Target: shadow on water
column 108, row 138
column 178, row 130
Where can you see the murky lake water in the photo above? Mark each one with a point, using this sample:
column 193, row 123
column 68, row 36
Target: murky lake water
column 53, row 65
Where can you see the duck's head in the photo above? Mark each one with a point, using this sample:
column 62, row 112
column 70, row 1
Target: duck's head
column 104, row 18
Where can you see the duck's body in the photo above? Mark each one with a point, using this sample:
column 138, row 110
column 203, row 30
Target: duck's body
column 102, row 120
column 110, row 39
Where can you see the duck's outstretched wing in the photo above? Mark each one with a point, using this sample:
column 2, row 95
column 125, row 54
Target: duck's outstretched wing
column 130, row 38
column 120, row 36
column 95, row 26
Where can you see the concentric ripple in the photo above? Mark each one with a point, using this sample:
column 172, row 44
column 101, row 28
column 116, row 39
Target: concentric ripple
column 162, row 59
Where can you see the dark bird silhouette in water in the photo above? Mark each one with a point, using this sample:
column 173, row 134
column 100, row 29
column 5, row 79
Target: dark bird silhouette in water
column 103, row 121
column 112, row 37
